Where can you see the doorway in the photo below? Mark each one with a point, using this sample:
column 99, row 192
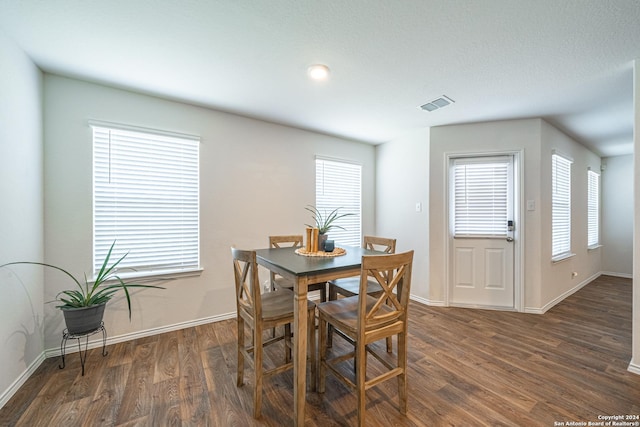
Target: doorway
column 483, row 237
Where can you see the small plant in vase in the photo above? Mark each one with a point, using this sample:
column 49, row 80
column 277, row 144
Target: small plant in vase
column 325, row 222
column 83, row 306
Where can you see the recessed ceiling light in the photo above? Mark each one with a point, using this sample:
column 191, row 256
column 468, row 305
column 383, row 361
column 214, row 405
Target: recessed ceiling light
column 318, row 72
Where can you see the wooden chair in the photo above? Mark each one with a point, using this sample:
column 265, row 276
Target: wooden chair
column 365, row 319
column 263, row 311
column 280, row 282
column 351, row 286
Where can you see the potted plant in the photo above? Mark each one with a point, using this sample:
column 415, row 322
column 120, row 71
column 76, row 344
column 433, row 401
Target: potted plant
column 83, row 307
column 325, row 222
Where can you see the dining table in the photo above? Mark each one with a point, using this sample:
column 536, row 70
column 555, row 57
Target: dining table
column 303, row 270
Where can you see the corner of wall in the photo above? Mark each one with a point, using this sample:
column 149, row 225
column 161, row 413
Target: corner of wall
column 635, row 347
column 21, row 216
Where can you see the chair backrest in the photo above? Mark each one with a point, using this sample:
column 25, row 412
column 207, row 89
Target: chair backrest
column 381, row 244
column 245, row 269
column 294, row 240
column 391, row 271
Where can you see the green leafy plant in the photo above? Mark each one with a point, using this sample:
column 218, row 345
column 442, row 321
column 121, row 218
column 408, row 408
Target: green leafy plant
column 106, row 284
column 325, row 222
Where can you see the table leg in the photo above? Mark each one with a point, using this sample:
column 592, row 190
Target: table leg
column 300, row 352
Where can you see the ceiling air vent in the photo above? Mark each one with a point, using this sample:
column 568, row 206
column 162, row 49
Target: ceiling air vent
column 443, row 101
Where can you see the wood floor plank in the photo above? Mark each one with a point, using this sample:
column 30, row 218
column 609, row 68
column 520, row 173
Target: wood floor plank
column 466, row 368
column 121, row 353
column 192, row 386
column 107, row 397
column 85, row 386
column 167, row 367
column 137, row 399
column 50, row 397
column 26, row 395
column 166, row 403
column 70, row 413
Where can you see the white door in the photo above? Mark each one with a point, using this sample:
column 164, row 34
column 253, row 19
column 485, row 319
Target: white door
column 481, row 232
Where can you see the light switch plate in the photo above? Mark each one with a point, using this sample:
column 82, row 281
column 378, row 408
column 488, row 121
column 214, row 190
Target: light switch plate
column 531, row 205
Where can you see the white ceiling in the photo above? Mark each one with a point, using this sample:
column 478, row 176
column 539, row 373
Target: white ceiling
column 568, row 61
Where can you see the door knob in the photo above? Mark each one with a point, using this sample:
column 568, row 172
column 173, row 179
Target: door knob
column 509, row 239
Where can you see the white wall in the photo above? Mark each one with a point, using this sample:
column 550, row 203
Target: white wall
column 402, row 180
column 256, row 179
column 557, row 278
column 635, row 351
column 543, row 283
column 617, row 215
column 21, row 233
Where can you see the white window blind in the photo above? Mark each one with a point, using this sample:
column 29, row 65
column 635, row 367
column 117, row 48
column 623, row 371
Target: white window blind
column 593, row 208
column 338, row 185
column 146, row 197
column 561, row 206
column 481, row 201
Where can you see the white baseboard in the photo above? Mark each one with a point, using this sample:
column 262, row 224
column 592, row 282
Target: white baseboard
column 559, row 298
column 635, row 368
column 611, row 273
column 426, row 301
column 19, row 382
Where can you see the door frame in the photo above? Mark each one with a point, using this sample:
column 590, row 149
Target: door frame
column 519, row 232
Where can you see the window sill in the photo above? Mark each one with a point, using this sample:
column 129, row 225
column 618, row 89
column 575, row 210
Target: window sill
column 562, row 257
column 594, row 247
column 144, row 277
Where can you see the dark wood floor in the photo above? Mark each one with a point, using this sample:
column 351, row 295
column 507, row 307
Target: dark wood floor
column 467, row 368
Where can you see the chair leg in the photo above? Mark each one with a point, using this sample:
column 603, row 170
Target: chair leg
column 323, row 293
column 402, row 378
column 361, row 374
column 322, row 353
column 311, row 327
column 257, row 371
column 271, row 289
column 333, row 295
column 240, row 368
column 287, row 343
column 389, row 338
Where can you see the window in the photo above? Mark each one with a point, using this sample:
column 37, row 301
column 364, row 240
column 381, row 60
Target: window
column 560, row 207
column 338, row 185
column 481, row 199
column 146, row 197
column 593, row 209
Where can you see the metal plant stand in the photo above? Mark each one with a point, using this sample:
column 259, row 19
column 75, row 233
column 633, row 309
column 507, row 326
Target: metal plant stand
column 83, row 356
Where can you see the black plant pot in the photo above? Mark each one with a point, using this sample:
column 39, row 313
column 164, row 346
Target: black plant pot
column 321, row 239
column 83, row 320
